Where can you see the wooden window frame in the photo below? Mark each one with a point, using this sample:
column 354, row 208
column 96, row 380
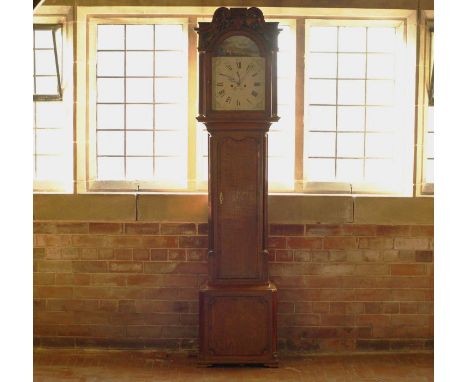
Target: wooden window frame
column 93, row 184
column 63, row 16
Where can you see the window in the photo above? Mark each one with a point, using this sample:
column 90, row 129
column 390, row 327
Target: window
column 141, row 106
column 47, row 46
column 353, row 138
column 345, row 99
column 428, row 158
column 52, row 143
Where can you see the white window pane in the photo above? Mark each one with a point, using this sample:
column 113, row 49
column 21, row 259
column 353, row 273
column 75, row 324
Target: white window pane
column 170, row 63
column 139, row 89
column 140, row 117
column 380, row 118
column 352, row 39
column 49, row 114
column 50, row 167
column 203, row 169
column 110, row 143
column 351, row 118
column 50, row 141
column 352, row 65
column 110, row 64
column 169, row 37
column 381, row 39
column 380, row 145
column 276, row 143
column 286, row 122
column 110, row 117
column 321, row 144
column 323, row 39
column 430, row 119
column 349, row 170
column 110, row 168
column 286, row 90
column 204, row 143
column 110, row 37
column 320, row 170
column 322, row 91
column 140, row 64
column 139, row 37
column 169, row 89
column 139, row 143
column 171, row 169
column 168, row 117
column 429, row 171
column 45, row 62
column 351, row 92
column 322, row 65
column 380, row 92
column 322, row 118
column 350, row 145
column 110, row 89
column 139, row 168
column 170, row 142
column 43, row 39
column 379, row 170
column 46, row 85
column 380, row 65
column 279, row 169
column 285, row 38
column 429, row 146
column 286, row 64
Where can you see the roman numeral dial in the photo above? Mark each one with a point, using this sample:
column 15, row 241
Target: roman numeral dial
column 238, row 83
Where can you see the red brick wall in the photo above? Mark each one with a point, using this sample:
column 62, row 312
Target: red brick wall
column 341, row 287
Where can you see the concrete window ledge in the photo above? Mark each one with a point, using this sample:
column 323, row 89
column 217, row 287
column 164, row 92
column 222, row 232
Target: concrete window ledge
column 285, row 209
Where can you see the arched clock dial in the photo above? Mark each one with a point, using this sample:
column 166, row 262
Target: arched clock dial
column 238, row 83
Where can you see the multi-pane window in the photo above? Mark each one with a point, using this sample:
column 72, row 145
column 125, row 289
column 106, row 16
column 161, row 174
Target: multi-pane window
column 141, row 104
column 47, row 46
column 428, row 165
column 52, row 141
column 350, row 110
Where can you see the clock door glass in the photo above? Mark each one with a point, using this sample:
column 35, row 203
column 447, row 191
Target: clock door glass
column 238, row 83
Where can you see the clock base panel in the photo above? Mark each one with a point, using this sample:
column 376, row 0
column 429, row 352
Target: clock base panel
column 238, row 325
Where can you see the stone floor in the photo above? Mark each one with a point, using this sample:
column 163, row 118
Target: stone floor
column 52, row 365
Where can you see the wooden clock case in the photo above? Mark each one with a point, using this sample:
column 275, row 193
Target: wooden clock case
column 238, row 304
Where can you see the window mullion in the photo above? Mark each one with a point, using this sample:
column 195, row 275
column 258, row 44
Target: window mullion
column 300, row 105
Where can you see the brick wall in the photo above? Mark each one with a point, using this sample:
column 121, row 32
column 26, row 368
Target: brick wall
column 342, row 287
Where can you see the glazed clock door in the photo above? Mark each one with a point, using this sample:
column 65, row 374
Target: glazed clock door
column 238, row 171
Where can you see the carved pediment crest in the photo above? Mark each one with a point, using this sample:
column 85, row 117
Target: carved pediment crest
column 225, row 19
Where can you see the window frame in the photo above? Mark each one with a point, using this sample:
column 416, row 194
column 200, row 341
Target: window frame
column 403, row 82
column 62, row 16
column 92, row 183
column 426, row 23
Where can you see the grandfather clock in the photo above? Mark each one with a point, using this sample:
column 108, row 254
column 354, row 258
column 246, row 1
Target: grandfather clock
column 238, row 305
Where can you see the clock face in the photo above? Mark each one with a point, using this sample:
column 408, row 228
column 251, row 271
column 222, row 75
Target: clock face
column 238, row 83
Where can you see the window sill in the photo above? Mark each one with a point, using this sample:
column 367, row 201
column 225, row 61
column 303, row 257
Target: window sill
column 193, row 207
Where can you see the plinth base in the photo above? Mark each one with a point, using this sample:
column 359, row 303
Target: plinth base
column 238, row 325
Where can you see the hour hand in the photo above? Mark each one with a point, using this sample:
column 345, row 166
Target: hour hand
column 228, row 77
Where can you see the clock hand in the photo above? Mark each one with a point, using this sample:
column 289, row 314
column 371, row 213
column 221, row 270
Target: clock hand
column 228, row 77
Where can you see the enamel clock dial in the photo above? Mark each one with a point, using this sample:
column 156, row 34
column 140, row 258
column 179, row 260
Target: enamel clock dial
column 238, row 76
column 239, row 83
